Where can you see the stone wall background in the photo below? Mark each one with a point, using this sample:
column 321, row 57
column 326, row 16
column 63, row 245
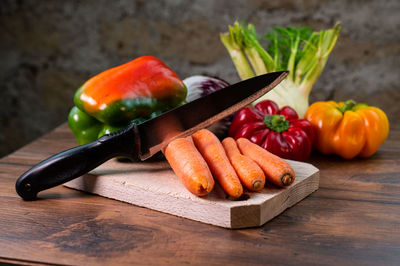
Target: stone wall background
column 49, row 48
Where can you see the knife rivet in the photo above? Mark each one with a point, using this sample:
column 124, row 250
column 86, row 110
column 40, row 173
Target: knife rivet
column 28, row 187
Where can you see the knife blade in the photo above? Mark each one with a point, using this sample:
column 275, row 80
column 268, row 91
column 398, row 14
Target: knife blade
column 140, row 142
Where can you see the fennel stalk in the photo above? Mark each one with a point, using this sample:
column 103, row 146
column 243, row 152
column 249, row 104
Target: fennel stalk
column 299, row 50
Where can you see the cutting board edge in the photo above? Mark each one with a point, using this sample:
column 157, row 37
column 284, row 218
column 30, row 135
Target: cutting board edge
column 310, row 184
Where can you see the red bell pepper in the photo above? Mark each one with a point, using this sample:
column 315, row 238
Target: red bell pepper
column 279, row 131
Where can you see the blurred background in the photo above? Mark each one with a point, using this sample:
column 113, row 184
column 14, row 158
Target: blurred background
column 49, row 48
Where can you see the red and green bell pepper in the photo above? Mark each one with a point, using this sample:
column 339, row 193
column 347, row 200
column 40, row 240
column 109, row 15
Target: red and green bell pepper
column 279, row 131
column 129, row 93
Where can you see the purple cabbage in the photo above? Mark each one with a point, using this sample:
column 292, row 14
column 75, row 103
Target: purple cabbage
column 199, row 86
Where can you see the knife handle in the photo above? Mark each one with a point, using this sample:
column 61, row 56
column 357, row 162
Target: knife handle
column 77, row 161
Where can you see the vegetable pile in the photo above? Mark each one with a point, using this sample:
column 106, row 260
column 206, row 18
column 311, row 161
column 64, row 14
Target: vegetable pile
column 146, row 87
column 346, row 128
column 255, row 139
column 303, row 52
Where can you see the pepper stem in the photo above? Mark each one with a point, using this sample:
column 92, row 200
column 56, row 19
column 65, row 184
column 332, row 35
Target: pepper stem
column 347, row 106
column 276, row 122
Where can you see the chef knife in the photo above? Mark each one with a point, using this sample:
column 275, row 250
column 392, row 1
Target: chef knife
column 140, row 142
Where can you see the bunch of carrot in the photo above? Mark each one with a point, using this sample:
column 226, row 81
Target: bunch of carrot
column 200, row 158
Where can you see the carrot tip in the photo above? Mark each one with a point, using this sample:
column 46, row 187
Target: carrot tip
column 257, row 185
column 206, row 187
column 287, row 179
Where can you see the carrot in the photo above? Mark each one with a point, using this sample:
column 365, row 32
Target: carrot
column 213, row 152
column 189, row 166
column 277, row 170
column 250, row 174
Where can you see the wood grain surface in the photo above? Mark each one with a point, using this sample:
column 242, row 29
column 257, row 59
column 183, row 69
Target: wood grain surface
column 353, row 219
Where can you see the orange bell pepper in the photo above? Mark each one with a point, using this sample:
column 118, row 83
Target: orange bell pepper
column 347, row 129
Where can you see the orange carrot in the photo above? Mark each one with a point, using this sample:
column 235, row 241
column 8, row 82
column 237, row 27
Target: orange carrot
column 189, row 166
column 277, row 170
column 250, row 174
column 213, row 152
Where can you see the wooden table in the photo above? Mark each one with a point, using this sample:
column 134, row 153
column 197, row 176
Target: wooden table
column 353, row 219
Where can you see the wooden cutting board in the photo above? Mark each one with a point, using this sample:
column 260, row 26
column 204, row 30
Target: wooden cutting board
column 154, row 185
